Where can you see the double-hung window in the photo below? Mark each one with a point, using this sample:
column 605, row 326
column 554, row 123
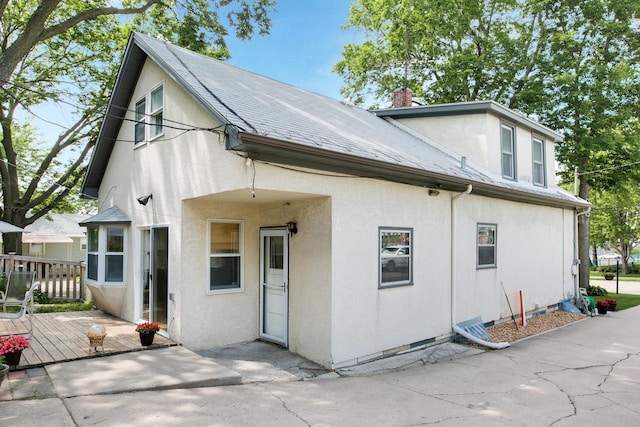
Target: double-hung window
column 140, row 123
column 156, row 111
column 508, row 150
column 538, row 166
column 486, row 241
column 114, row 255
column 395, row 262
column 149, row 110
column 225, row 255
column 105, row 254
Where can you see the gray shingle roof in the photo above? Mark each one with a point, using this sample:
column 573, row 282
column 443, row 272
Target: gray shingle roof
column 113, row 215
column 58, row 225
column 317, row 128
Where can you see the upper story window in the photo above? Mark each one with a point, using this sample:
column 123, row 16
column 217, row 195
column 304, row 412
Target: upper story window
column 508, row 149
column 395, row 266
column 140, row 125
column 538, row 166
column 149, row 110
column 225, row 256
column 105, row 254
column 487, row 234
column 157, row 106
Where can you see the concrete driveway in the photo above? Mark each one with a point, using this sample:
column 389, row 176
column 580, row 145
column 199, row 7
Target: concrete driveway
column 587, row 373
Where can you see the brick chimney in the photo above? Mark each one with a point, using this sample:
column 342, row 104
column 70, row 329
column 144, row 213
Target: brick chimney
column 402, row 98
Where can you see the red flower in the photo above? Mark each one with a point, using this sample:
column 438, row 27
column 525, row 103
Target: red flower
column 147, row 328
column 12, row 343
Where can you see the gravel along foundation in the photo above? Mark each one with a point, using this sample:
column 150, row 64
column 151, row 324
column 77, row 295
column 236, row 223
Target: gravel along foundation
column 509, row 332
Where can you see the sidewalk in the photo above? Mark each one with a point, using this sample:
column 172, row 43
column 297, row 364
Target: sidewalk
column 582, row 374
column 622, row 286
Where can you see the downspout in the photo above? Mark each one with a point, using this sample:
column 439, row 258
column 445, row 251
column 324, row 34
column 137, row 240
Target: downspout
column 453, row 263
column 576, row 259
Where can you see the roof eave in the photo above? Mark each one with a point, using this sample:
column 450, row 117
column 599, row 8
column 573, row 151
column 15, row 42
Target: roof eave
column 268, row 149
column 474, row 107
column 130, row 68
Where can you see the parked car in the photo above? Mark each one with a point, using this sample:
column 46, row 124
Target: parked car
column 395, row 257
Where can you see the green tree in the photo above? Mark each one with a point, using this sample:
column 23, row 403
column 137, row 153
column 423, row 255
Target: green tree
column 615, row 220
column 68, row 51
column 571, row 64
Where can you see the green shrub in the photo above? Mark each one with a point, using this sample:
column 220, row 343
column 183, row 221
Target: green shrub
column 69, row 306
column 40, row 297
column 596, row 291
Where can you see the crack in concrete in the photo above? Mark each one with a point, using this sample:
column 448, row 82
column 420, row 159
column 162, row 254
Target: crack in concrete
column 290, row 411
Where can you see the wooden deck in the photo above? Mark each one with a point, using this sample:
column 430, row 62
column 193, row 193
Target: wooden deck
column 62, row 337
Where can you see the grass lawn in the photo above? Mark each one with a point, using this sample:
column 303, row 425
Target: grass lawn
column 597, row 275
column 624, row 300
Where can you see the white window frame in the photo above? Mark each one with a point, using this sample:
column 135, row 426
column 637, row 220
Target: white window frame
column 93, row 252
column 510, row 153
column 140, row 119
column 148, row 118
column 538, row 164
column 155, row 113
column 108, row 253
column 239, row 254
column 480, row 244
column 405, row 236
column 102, row 254
column 37, row 248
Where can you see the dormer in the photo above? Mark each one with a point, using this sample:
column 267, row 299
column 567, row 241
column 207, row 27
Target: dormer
column 490, row 136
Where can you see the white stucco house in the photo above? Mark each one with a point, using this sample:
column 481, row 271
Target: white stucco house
column 235, row 207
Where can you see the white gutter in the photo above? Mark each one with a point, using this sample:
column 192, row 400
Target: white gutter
column 453, row 263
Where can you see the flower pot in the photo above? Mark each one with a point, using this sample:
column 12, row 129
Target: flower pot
column 147, row 339
column 4, row 370
column 612, row 306
column 13, row 358
column 602, row 308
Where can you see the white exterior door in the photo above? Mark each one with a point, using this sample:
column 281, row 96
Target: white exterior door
column 274, row 296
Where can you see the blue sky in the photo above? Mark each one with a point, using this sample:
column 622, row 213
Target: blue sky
column 305, row 43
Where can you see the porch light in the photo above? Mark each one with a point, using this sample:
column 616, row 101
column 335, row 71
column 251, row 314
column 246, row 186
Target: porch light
column 292, row 227
column 143, row 200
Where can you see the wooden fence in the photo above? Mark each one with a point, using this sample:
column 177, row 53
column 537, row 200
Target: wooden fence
column 61, row 280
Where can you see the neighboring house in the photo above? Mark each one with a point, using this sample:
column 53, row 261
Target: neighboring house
column 239, row 208
column 56, row 236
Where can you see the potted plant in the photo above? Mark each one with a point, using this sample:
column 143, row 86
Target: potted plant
column 612, row 304
column 609, row 276
column 3, row 369
column 602, row 307
column 11, row 348
column 147, row 331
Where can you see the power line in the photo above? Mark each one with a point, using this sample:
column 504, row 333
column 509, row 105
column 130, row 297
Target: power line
column 175, row 124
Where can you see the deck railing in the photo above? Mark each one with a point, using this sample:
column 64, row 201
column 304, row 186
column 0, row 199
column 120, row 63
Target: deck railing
column 61, row 280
